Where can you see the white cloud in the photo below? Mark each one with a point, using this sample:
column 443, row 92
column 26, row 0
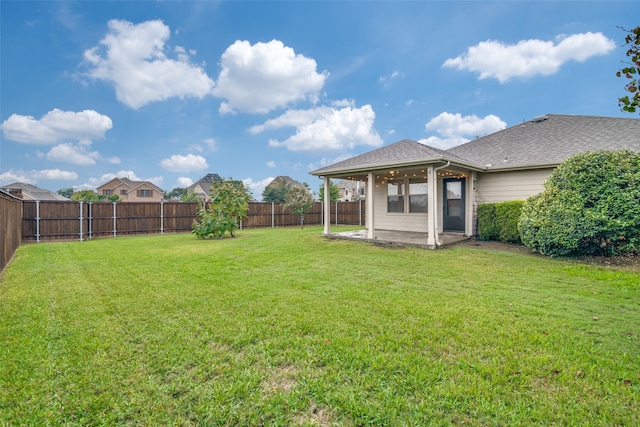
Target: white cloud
column 454, row 129
column 135, row 61
column 78, row 154
column 261, row 77
column 208, row 144
column 325, row 128
column 387, row 79
column 56, row 125
column 271, row 164
column 32, row 177
column 527, row 58
column 184, row 181
column 188, row 163
column 257, row 187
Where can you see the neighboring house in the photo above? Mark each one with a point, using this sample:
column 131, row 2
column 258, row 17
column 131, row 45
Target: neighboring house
column 412, row 187
column 131, row 191
column 351, row 191
column 282, row 179
column 202, row 187
column 31, row 192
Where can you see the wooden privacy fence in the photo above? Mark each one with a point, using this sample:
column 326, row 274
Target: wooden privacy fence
column 66, row 220
column 10, row 229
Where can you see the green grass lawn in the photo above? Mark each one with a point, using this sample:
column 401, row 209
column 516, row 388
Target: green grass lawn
column 284, row 327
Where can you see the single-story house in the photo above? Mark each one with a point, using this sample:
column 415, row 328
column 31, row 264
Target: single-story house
column 202, row 187
column 131, row 191
column 431, row 193
column 31, row 192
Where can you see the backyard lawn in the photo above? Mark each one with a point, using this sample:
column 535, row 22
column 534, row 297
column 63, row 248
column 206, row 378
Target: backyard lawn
column 283, row 327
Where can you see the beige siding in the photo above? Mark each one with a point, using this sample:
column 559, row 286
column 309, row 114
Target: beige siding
column 395, row 221
column 497, row 187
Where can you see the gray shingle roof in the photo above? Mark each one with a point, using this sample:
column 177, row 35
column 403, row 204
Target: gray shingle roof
column 551, row 140
column 401, row 152
column 34, row 192
column 548, row 140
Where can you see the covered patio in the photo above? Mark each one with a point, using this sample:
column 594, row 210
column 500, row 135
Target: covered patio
column 415, row 195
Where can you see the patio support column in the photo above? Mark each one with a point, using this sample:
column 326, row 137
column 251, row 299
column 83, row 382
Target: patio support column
column 432, row 186
column 468, row 228
column 369, row 216
column 327, row 206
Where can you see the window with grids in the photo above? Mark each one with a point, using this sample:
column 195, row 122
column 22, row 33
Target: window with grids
column 395, row 196
column 123, row 192
column 418, row 195
column 145, row 193
column 106, row 192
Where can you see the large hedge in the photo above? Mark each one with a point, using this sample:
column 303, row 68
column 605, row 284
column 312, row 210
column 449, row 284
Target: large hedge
column 590, row 206
column 499, row 221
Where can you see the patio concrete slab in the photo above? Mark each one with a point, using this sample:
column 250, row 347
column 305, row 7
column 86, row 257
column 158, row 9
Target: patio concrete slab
column 405, row 238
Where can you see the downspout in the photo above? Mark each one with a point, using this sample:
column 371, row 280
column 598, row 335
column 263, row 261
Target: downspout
column 435, row 201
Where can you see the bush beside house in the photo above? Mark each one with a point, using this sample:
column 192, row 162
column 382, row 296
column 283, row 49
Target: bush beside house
column 499, row 221
column 590, row 206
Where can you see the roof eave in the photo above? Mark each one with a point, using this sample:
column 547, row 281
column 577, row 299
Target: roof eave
column 506, row 168
column 373, row 167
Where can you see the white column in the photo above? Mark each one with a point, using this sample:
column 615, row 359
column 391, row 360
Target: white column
column 470, row 200
column 432, row 185
column 327, row 206
column 369, row 211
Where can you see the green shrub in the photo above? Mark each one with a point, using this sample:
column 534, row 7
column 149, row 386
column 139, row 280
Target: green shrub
column 590, row 206
column 210, row 224
column 499, row 221
column 487, row 225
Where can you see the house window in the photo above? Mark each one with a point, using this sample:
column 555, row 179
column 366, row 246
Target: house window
column 145, row 193
column 123, row 192
column 395, row 196
column 106, row 192
column 418, row 195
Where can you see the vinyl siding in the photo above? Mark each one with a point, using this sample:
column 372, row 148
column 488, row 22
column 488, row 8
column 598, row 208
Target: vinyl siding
column 497, row 187
column 395, row 221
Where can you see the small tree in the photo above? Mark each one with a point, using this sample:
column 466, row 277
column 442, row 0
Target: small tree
column 629, row 103
column 66, row 192
column 590, row 205
column 334, row 192
column 276, row 193
column 87, row 196
column 176, row 194
column 229, row 206
column 189, row 197
column 299, row 201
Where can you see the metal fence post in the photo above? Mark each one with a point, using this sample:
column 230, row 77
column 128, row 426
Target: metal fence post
column 161, row 217
column 114, row 219
column 90, row 233
column 81, row 220
column 37, row 221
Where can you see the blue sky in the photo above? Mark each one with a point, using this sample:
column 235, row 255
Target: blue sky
column 169, row 91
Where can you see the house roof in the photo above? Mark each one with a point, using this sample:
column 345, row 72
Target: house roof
column 286, row 180
column 405, row 153
column 132, row 185
column 543, row 141
column 550, row 140
column 33, row 192
column 205, row 182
